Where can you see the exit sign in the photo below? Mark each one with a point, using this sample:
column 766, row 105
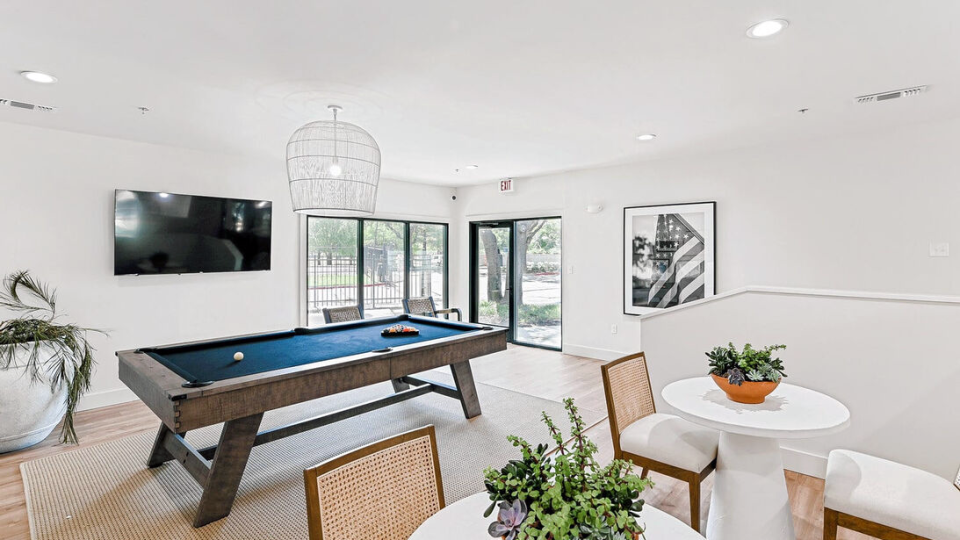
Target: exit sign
column 506, row 185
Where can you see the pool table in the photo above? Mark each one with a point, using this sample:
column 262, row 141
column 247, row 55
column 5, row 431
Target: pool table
column 193, row 385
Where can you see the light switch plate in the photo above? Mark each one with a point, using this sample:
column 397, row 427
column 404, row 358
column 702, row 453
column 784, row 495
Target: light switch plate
column 939, row 249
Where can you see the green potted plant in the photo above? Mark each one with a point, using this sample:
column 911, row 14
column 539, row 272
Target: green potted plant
column 45, row 365
column 749, row 375
column 566, row 495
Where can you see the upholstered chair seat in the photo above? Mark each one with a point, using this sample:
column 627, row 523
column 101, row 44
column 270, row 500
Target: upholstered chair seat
column 861, row 487
column 672, row 440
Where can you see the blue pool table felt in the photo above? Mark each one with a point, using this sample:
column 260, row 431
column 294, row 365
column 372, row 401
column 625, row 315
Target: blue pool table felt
column 213, row 361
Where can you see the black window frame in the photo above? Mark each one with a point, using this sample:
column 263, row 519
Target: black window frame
column 474, row 243
column 407, row 254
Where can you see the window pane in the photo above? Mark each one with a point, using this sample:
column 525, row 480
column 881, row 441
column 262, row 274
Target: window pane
column 493, row 257
column 539, row 274
column 427, row 259
column 383, row 268
column 331, row 265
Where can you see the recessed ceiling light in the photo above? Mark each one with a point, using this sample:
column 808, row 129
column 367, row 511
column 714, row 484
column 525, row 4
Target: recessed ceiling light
column 647, row 137
column 767, row 28
column 471, row 167
column 38, row 77
column 164, row 195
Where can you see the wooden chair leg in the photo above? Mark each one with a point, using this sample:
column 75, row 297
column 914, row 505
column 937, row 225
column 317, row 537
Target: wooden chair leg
column 830, row 524
column 695, row 503
column 644, row 472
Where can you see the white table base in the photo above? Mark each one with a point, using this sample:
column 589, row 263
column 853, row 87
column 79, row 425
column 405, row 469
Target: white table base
column 749, row 500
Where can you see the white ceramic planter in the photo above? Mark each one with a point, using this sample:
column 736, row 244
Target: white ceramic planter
column 29, row 409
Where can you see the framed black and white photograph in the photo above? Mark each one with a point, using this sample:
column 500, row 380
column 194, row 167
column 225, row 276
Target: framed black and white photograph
column 669, row 255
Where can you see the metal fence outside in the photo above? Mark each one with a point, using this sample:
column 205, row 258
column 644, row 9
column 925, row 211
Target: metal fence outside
column 332, row 278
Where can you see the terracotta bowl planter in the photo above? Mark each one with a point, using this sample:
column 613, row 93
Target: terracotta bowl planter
column 749, row 392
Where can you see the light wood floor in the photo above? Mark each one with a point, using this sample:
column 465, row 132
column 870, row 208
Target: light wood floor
column 545, row 374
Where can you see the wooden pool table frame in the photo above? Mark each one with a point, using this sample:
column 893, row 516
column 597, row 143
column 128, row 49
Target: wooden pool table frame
column 241, row 402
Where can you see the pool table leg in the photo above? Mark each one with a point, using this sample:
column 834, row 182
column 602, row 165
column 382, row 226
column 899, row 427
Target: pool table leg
column 226, row 469
column 159, row 455
column 463, row 378
column 399, row 385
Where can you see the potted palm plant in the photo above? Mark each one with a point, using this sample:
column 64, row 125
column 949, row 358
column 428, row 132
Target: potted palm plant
column 45, row 365
column 746, row 376
column 566, row 495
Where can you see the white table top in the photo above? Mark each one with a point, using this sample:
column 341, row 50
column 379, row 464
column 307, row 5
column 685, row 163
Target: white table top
column 790, row 412
column 464, row 520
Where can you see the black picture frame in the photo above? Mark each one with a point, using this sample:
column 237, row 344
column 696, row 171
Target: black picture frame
column 696, row 255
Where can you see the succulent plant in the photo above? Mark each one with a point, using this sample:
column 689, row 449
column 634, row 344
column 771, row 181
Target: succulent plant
column 569, row 496
column 509, row 520
column 747, row 365
column 735, row 376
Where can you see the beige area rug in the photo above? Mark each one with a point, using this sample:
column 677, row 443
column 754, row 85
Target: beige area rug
column 106, row 492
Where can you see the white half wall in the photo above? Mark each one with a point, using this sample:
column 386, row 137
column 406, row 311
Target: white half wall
column 853, row 213
column 56, row 218
column 894, row 362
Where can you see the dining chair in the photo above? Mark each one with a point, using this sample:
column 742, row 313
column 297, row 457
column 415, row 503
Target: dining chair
column 383, row 490
column 342, row 314
column 657, row 442
column 426, row 307
column 888, row 500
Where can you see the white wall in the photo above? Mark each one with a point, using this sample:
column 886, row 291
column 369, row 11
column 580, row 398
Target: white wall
column 893, row 363
column 56, row 218
column 853, row 213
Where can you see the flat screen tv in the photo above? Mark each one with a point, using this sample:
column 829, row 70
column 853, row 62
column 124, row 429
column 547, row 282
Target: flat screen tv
column 165, row 233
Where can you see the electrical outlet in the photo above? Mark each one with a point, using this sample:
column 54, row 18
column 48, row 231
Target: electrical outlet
column 613, row 329
column 570, row 269
column 939, row 249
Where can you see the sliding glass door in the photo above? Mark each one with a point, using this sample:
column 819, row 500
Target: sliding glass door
column 492, row 255
column 538, row 294
column 516, row 277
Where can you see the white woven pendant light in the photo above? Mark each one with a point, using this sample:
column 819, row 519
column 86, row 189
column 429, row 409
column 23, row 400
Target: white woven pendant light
column 333, row 168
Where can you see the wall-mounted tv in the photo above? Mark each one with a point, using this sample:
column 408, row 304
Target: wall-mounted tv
column 165, row 233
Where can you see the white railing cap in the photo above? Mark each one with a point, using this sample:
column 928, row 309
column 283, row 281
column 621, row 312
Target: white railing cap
column 856, row 295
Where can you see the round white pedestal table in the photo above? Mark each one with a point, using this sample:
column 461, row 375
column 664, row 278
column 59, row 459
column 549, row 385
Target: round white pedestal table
column 464, row 520
column 749, row 499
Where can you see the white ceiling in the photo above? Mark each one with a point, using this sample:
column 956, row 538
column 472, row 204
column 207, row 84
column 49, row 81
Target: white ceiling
column 519, row 87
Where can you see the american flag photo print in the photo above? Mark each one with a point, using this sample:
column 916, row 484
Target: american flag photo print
column 668, row 255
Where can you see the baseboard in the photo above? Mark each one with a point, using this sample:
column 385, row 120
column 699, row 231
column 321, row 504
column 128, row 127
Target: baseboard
column 591, row 352
column 106, row 398
column 804, row 462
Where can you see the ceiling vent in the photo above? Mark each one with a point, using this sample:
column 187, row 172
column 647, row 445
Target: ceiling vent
column 27, row 106
column 894, row 94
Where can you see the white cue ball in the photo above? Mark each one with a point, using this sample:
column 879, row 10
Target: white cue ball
column 238, row 356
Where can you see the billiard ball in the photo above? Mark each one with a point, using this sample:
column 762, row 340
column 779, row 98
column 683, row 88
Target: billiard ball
column 238, row 356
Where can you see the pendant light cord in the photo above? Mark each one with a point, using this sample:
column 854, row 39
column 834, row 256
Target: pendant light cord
column 335, row 156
